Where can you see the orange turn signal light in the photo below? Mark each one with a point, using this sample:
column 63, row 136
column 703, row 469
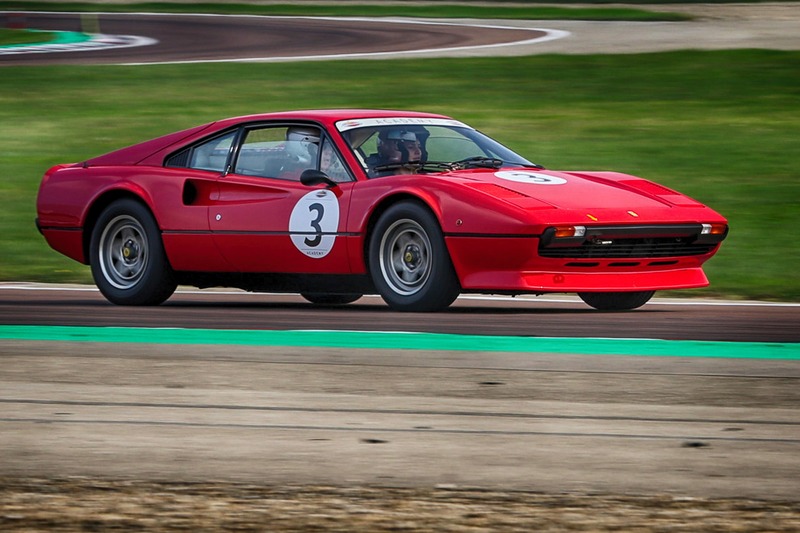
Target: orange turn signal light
column 714, row 229
column 563, row 232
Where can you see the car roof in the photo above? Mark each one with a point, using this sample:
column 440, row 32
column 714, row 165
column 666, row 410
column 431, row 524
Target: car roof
column 330, row 116
column 143, row 151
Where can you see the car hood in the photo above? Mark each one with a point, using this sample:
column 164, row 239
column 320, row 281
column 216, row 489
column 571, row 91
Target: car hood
column 575, row 190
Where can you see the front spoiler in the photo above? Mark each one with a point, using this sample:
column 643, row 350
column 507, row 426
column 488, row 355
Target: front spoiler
column 541, row 282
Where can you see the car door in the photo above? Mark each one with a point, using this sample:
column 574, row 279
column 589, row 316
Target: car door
column 265, row 220
column 192, row 175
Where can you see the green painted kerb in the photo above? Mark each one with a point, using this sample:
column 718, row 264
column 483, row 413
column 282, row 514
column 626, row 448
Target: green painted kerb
column 407, row 341
column 57, row 37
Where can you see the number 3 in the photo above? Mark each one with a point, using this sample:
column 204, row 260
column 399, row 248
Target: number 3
column 315, row 225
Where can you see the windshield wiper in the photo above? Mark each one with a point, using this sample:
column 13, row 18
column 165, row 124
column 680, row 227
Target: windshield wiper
column 478, row 161
column 462, row 164
column 435, row 166
column 395, row 166
column 470, row 162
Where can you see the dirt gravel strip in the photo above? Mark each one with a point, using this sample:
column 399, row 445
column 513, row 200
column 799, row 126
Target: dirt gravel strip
column 83, row 504
column 767, row 25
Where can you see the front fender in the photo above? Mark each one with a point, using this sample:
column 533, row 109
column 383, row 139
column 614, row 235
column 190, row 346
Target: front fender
column 459, row 209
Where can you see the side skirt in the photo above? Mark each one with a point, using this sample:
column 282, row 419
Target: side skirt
column 269, row 282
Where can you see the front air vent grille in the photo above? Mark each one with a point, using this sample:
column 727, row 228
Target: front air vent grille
column 624, row 248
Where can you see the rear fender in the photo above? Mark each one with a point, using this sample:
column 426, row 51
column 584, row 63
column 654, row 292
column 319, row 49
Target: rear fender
column 103, row 200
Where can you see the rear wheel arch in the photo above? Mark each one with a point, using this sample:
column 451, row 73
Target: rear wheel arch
column 99, row 205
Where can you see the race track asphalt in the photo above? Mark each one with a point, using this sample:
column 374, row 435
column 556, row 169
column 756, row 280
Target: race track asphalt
column 190, row 38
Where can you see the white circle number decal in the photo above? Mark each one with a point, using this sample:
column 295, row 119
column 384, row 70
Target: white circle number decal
column 537, row 178
column 313, row 223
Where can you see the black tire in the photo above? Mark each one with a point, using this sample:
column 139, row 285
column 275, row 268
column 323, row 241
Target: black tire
column 322, row 298
column 409, row 262
column 127, row 256
column 616, row 301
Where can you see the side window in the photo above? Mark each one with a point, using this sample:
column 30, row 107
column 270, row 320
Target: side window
column 209, row 155
column 278, row 152
column 213, row 154
column 262, row 153
column 331, row 164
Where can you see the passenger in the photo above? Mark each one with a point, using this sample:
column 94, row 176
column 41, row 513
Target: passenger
column 330, row 164
column 396, row 147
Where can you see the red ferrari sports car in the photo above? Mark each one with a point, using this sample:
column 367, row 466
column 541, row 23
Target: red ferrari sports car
column 334, row 204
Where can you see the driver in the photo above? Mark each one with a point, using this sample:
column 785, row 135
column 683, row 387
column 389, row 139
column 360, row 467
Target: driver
column 302, row 143
column 397, row 147
column 300, row 151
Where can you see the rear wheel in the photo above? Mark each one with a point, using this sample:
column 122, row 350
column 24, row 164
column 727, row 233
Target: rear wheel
column 127, row 257
column 408, row 260
column 330, row 299
column 616, row 301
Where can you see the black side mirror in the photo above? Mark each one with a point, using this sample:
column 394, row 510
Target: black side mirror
column 311, row 177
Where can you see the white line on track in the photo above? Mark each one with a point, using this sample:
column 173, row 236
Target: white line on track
column 96, row 42
column 550, row 35
column 25, row 286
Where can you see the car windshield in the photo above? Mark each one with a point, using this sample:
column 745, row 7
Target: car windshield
column 402, row 146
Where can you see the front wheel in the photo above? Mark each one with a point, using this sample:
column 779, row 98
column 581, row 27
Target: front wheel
column 127, row 257
column 408, row 260
column 616, row 301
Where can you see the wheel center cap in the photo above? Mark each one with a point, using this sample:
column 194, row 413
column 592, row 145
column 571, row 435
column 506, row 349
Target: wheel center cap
column 411, row 256
column 130, row 250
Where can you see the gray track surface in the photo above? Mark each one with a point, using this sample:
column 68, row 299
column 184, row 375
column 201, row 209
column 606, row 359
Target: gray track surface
column 280, row 416
column 523, row 316
column 207, row 38
column 358, row 417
